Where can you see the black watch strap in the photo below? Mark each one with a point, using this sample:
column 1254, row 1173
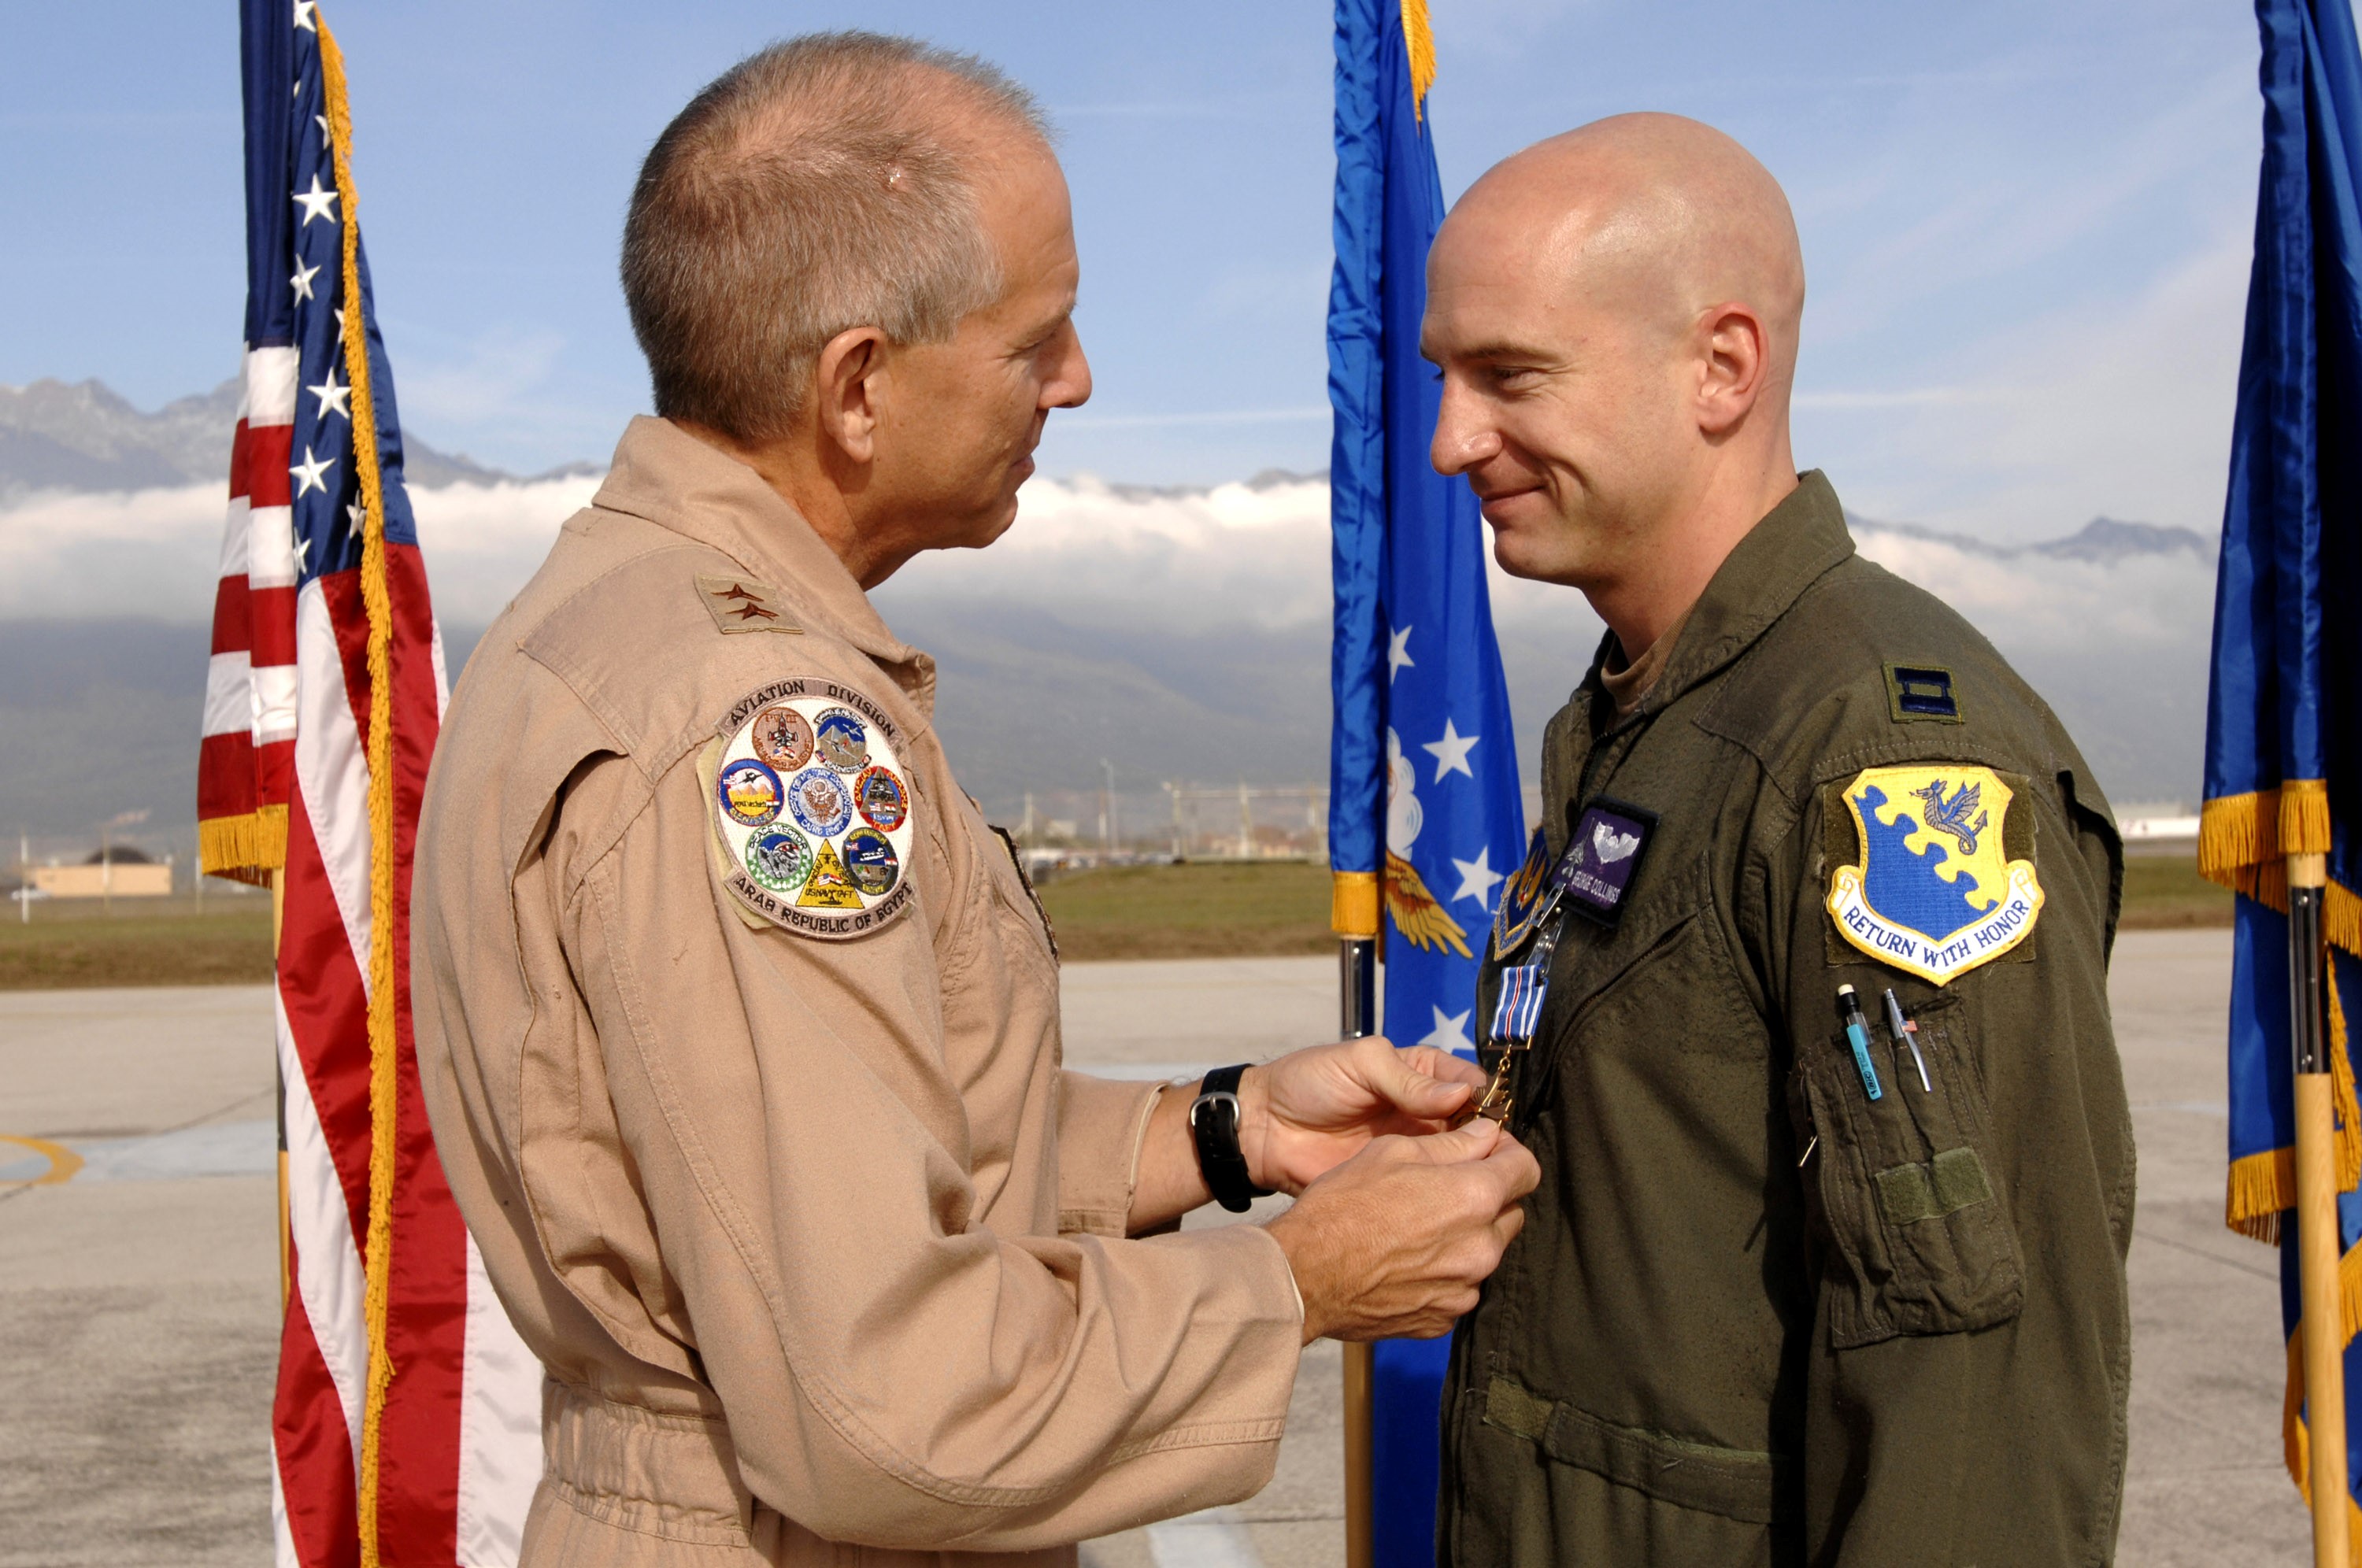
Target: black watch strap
column 1214, row 1129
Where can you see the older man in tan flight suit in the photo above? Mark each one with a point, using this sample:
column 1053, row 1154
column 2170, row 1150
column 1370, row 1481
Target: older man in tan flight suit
column 739, row 1027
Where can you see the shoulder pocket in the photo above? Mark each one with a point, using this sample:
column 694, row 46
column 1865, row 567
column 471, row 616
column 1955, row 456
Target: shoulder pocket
column 1920, row 1237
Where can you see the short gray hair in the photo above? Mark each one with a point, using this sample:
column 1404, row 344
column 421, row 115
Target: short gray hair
column 825, row 184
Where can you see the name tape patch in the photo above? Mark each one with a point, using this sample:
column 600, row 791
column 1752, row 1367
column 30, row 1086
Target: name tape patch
column 1603, row 856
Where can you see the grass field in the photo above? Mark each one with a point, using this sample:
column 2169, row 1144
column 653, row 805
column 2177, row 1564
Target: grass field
column 2167, row 890
column 146, row 941
column 1208, row 909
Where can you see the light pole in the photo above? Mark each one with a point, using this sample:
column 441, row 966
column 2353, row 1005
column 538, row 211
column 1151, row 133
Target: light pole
column 106, row 854
column 1109, row 830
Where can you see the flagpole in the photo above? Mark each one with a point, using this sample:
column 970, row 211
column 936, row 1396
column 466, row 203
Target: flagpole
column 1357, row 998
column 2322, row 1327
column 278, row 1087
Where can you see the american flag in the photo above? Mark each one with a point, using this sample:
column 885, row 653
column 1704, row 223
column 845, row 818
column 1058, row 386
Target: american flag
column 406, row 1423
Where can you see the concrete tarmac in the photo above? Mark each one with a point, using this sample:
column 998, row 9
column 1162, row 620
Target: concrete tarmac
column 139, row 1296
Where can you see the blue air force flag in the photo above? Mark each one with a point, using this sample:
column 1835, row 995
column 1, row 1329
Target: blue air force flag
column 2283, row 727
column 1424, row 803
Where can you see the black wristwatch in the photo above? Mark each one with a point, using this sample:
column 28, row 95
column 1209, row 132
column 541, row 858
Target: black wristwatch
column 1214, row 1128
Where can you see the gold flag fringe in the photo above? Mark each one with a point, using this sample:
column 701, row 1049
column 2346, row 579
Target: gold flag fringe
column 2263, row 1186
column 377, row 599
column 1353, row 903
column 1419, row 42
column 2341, row 914
column 246, row 848
column 2296, row 1443
column 2242, row 843
column 2239, row 833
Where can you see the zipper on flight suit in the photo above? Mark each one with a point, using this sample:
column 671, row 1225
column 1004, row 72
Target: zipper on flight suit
column 1502, row 1092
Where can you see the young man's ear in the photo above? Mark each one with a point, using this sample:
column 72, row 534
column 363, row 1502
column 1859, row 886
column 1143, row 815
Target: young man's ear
column 1738, row 356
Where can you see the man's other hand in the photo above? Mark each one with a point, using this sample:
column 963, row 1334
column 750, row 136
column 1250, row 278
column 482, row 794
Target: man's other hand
column 1311, row 1111
column 1394, row 1241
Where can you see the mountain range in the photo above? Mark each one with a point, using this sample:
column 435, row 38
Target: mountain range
column 84, row 438
column 1179, row 632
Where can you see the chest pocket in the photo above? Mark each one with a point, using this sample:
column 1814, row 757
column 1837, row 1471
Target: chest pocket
column 1921, row 1236
column 1650, row 1006
column 1020, row 926
column 1033, row 899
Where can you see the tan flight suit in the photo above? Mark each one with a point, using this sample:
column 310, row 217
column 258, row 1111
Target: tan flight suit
column 816, row 1240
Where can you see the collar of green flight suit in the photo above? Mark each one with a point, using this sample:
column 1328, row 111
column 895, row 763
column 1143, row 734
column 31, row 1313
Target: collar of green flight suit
column 1792, row 547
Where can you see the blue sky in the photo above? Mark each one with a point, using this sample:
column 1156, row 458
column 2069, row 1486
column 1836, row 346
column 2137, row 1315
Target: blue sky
column 2026, row 225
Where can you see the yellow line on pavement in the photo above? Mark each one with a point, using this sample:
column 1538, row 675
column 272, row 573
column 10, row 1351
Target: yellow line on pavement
column 63, row 1162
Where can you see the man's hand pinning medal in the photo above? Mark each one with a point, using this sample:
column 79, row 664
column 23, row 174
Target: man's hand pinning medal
column 1322, row 1106
column 1398, row 1217
column 1396, row 1241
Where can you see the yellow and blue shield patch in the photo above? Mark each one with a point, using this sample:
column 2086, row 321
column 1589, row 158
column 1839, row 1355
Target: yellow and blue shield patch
column 1934, row 893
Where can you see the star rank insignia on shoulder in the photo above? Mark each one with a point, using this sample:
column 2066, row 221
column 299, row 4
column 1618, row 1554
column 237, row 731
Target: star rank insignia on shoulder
column 742, row 605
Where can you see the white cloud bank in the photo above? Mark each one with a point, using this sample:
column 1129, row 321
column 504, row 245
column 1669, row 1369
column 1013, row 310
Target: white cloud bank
column 2118, row 645
column 1259, row 557
column 1087, row 552
column 156, row 552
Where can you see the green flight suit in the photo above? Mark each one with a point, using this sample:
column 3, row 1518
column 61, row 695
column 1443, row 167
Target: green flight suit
column 1755, row 1316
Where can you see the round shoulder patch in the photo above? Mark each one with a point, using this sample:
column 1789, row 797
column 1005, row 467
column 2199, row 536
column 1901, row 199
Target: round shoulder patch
column 812, row 809
column 782, row 737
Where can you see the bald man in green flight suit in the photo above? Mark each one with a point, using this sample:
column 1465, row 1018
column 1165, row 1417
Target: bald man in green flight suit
column 1800, row 998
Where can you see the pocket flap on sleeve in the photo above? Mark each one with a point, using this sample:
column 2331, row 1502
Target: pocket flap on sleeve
column 1922, row 1241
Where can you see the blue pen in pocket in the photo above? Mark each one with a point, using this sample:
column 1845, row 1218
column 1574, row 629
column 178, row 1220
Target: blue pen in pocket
column 1858, row 1036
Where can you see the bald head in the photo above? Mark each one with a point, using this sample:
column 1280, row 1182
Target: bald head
column 1615, row 312
column 1662, row 215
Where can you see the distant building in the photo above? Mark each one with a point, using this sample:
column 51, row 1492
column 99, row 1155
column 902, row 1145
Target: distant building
column 2159, row 824
column 124, row 873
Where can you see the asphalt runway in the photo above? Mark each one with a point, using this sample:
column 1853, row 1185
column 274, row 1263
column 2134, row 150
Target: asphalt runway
column 138, row 1295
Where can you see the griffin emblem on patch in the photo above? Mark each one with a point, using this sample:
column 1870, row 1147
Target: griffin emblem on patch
column 1934, row 894
column 791, row 851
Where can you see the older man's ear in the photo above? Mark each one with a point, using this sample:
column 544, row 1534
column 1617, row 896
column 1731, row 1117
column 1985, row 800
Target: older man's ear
column 845, row 392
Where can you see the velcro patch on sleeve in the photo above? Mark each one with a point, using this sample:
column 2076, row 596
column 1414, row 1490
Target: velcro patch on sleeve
column 812, row 809
column 1933, row 881
column 1954, row 1180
